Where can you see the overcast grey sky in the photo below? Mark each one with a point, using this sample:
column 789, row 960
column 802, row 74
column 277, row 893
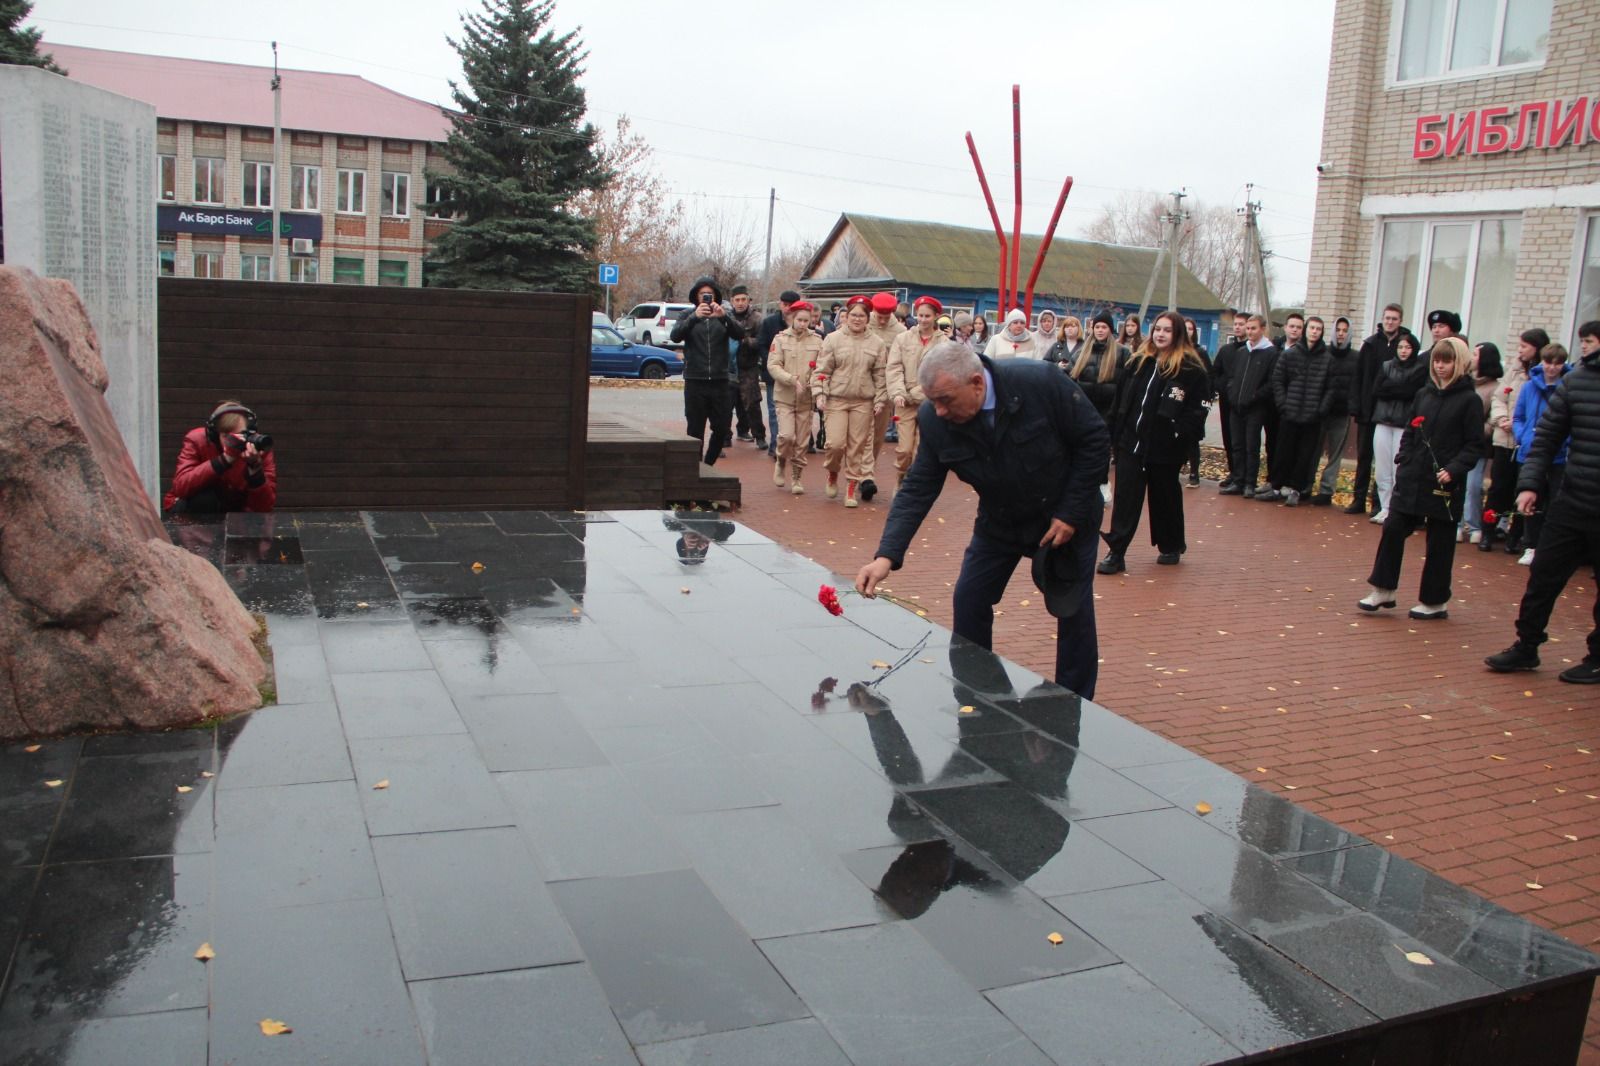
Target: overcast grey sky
column 852, row 105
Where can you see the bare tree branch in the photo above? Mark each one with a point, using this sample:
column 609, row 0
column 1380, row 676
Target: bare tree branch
column 1211, row 243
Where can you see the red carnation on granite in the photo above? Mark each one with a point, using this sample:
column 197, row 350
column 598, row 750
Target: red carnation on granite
column 828, row 596
column 1415, row 422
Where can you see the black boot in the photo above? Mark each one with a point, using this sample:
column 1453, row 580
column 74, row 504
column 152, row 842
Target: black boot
column 1111, row 564
column 1519, row 656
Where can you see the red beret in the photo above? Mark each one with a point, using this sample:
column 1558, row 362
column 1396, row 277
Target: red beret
column 858, row 301
column 938, row 308
column 884, row 303
column 801, row 305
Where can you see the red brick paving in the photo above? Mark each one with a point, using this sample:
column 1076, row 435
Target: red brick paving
column 1252, row 653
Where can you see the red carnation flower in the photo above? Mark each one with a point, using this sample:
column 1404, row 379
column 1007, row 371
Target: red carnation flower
column 813, row 364
column 1490, row 518
column 828, row 596
column 1508, row 390
column 1415, row 422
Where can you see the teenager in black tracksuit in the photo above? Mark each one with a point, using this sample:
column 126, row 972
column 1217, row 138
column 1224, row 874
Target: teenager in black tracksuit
column 1221, row 367
column 1160, row 412
column 1300, row 393
column 1442, row 442
column 1249, row 396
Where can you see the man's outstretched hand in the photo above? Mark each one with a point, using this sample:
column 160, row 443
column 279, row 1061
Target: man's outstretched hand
column 868, row 577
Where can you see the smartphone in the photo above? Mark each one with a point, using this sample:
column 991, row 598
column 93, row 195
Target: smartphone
column 706, row 298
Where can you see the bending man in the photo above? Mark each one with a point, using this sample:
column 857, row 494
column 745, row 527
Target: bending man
column 1027, row 439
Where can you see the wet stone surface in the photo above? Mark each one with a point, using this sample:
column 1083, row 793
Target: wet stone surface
column 614, row 788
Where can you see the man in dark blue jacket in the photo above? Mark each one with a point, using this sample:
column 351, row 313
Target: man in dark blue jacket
column 1026, row 437
column 704, row 331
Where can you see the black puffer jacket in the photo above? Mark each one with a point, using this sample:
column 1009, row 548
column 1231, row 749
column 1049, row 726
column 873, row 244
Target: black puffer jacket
column 1450, row 437
column 1102, row 394
column 1300, row 383
column 1222, row 365
column 1395, row 387
column 1573, row 411
column 1375, row 351
column 705, row 340
column 1250, row 378
column 1157, row 417
column 1341, row 373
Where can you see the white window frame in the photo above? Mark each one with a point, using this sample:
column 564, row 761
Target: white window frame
column 433, row 197
column 216, row 177
column 261, row 187
column 352, row 185
column 1494, row 70
column 300, row 266
column 305, row 187
column 1412, row 301
column 390, row 188
column 166, row 163
column 256, row 261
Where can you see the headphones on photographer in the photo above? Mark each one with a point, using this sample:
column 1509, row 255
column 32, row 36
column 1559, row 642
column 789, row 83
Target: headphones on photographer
column 214, row 435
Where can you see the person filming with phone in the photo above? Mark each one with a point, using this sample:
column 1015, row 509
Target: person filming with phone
column 224, row 465
column 704, row 331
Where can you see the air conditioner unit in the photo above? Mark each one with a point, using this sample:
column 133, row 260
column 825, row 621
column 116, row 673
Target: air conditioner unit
column 302, row 246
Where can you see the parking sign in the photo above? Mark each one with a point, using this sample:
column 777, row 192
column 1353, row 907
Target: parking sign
column 610, row 273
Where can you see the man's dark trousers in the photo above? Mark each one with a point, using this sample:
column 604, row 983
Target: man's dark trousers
column 1564, row 545
column 1364, row 443
column 707, row 401
column 985, row 570
column 1246, row 434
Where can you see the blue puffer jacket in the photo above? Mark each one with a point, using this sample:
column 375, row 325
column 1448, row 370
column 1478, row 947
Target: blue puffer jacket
column 1531, row 404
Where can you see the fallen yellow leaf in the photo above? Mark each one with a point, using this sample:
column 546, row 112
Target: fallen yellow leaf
column 924, row 660
column 1498, row 758
column 269, row 1027
column 185, row 788
column 1536, row 886
column 477, row 568
column 967, row 708
column 53, row 783
column 1569, row 836
column 1025, row 603
column 1581, row 751
column 1202, row 808
column 31, row 748
column 381, row 785
column 879, row 664
column 362, row 605
column 1527, row 692
column 207, row 773
column 684, row 590
column 1261, row 769
column 1419, row 958
column 205, row 954
column 1055, row 938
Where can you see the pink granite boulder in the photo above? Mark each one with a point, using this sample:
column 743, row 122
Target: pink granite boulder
column 104, row 623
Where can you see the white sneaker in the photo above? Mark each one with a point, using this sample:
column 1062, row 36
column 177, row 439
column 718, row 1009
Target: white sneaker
column 1376, row 598
column 1105, row 493
column 1424, row 612
column 1378, row 518
column 1527, row 558
column 1475, row 537
column 1461, row 534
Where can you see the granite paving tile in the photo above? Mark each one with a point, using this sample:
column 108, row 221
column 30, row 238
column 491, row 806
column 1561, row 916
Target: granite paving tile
column 1109, row 1016
column 300, row 672
column 565, row 641
column 365, row 647
column 1072, row 783
column 122, row 806
column 528, row 732
column 584, row 823
column 469, row 902
column 436, row 783
column 887, row 997
column 395, row 704
column 840, row 801
column 672, row 962
column 799, row 1043
column 555, row 1016
column 454, row 618
column 489, row 666
column 283, row 745
column 104, row 939
column 29, row 809
column 172, row 1038
column 328, row 970
column 292, row 846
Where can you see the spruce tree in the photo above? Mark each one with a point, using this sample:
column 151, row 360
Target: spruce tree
column 521, row 154
column 17, row 45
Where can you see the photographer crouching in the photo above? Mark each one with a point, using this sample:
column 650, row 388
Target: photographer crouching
column 224, row 465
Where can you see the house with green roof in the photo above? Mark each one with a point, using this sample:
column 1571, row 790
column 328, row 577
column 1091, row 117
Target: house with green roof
column 959, row 266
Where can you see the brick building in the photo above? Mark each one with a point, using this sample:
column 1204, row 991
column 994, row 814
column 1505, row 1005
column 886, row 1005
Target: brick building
column 352, row 196
column 1461, row 165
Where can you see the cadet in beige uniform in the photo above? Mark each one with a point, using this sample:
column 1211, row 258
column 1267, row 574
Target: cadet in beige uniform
column 886, row 328
column 794, row 355
column 850, row 390
column 905, row 393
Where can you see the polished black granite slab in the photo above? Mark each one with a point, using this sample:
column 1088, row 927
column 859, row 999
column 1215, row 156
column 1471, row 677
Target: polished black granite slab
column 553, row 788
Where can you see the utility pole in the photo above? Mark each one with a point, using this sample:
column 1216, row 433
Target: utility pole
column 278, row 269
column 1255, row 257
column 1166, row 253
column 766, row 269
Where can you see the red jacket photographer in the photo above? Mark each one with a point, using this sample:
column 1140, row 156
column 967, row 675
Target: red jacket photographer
column 202, row 466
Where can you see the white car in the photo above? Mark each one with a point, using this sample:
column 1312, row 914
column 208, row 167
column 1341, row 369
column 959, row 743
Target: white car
column 651, row 323
column 600, row 319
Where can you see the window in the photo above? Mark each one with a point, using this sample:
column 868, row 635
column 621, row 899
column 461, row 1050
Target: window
column 258, row 184
column 1443, row 38
column 436, row 196
column 167, row 177
column 396, row 194
column 351, row 197
column 305, row 192
column 255, row 268
column 166, row 254
column 207, row 180
column 1463, row 265
column 208, row 264
column 392, row 272
column 302, row 269
column 1588, row 308
column 349, row 272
